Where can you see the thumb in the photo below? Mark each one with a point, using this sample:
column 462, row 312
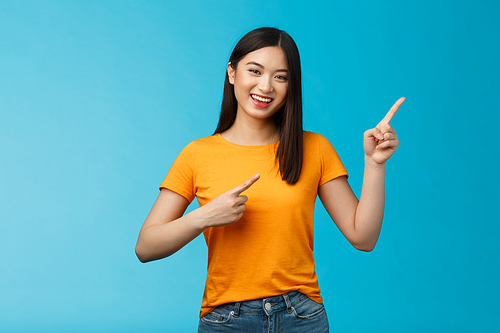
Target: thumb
column 246, row 185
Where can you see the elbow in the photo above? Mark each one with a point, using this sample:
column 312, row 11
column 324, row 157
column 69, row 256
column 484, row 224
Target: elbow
column 365, row 244
column 141, row 258
column 141, row 255
column 365, row 247
column 146, row 255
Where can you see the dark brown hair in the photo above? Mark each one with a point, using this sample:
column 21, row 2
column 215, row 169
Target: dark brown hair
column 289, row 118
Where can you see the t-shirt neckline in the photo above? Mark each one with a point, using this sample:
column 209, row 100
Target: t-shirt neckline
column 221, row 138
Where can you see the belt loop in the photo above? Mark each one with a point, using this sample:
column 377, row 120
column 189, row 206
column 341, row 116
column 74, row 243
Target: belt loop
column 237, row 309
column 287, row 301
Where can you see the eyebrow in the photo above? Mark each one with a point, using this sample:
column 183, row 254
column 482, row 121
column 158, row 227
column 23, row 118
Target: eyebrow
column 259, row 65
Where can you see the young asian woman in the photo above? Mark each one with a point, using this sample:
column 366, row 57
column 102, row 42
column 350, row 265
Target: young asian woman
column 256, row 180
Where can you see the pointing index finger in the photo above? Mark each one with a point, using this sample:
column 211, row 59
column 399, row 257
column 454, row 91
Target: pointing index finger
column 246, row 185
column 388, row 117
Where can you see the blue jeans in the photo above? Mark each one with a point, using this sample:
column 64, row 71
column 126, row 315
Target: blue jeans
column 291, row 312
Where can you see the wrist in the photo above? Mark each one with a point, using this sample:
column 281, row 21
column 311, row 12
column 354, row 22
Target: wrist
column 371, row 164
column 198, row 220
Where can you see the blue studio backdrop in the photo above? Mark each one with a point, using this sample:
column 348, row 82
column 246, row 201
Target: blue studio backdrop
column 97, row 98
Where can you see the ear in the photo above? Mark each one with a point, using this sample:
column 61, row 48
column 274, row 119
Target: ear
column 230, row 73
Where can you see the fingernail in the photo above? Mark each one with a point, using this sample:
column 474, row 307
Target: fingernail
column 380, row 136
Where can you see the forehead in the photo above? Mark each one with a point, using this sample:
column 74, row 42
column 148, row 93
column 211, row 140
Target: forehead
column 271, row 57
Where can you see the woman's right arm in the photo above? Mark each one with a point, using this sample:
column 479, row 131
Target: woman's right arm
column 166, row 230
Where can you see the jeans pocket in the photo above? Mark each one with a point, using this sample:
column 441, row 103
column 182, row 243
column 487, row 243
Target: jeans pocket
column 219, row 315
column 306, row 308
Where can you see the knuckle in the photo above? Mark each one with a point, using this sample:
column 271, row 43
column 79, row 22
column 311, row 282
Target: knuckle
column 236, row 217
column 370, row 133
column 384, row 144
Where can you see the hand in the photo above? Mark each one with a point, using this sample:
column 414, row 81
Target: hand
column 381, row 142
column 228, row 207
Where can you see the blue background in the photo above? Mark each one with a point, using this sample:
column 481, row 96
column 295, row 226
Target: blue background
column 97, row 98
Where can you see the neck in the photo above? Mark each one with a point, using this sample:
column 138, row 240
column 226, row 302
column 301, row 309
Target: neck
column 250, row 131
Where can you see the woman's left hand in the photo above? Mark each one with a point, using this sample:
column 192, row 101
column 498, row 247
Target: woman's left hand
column 381, row 142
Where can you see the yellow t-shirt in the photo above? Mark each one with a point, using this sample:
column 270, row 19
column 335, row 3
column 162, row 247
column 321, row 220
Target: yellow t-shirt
column 269, row 251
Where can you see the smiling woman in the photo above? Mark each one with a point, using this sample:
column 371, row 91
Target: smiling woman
column 276, row 48
column 260, row 88
column 265, row 73
column 261, row 268
column 266, row 79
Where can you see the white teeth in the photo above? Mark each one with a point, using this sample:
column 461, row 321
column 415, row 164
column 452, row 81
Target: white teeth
column 262, row 99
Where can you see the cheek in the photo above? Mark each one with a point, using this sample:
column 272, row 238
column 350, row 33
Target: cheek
column 284, row 88
column 242, row 86
column 240, row 93
column 283, row 92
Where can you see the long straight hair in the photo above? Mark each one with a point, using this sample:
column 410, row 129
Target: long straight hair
column 289, row 118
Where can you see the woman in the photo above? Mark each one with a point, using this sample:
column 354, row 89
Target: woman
column 261, row 273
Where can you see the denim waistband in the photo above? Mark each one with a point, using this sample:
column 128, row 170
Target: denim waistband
column 268, row 304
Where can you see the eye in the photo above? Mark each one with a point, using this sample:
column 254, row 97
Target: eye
column 254, row 71
column 281, row 77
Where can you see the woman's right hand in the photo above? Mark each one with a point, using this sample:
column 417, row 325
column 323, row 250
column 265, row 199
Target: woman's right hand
column 166, row 230
column 228, row 207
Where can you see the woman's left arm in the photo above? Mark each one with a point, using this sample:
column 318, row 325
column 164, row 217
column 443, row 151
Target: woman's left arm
column 360, row 221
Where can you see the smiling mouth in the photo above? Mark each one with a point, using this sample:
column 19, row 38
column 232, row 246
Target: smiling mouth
column 261, row 99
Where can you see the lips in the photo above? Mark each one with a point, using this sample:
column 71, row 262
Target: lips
column 261, row 99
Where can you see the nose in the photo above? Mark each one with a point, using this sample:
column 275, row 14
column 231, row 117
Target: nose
column 265, row 84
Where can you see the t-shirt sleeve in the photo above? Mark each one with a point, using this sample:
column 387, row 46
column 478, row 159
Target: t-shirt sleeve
column 331, row 165
column 181, row 178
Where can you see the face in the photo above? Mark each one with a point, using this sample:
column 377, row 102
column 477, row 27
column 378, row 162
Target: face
column 260, row 82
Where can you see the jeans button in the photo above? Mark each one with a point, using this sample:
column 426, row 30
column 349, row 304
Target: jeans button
column 267, row 306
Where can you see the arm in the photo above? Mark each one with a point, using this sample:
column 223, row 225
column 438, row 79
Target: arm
column 166, row 230
column 360, row 221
